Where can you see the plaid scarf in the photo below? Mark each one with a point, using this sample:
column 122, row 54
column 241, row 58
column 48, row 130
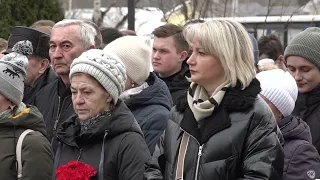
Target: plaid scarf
column 201, row 104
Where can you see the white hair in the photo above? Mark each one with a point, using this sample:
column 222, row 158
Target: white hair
column 230, row 43
column 87, row 31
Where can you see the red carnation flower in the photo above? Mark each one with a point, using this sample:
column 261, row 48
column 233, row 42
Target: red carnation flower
column 75, row 170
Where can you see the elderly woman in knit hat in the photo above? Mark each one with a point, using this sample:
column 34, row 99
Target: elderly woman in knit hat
column 280, row 91
column 302, row 57
column 147, row 96
column 103, row 134
column 22, row 128
column 220, row 128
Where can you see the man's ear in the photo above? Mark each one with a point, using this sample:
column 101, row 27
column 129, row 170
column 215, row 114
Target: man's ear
column 183, row 56
column 43, row 65
column 281, row 59
column 92, row 47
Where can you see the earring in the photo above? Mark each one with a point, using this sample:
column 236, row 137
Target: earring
column 132, row 85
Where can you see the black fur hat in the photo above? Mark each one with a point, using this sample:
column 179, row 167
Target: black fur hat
column 39, row 40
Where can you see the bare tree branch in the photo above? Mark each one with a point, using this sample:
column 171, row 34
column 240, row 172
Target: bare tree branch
column 124, row 18
column 194, row 10
column 315, row 7
column 225, row 8
column 204, row 8
column 268, row 12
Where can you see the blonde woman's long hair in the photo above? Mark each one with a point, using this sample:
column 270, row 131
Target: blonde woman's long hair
column 230, row 43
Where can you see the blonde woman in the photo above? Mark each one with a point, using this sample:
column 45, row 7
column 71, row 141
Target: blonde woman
column 221, row 128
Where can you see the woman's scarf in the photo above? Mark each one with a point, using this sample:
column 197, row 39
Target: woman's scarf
column 201, row 104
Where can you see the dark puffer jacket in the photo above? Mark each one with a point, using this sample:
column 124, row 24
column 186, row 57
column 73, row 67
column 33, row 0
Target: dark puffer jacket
column 177, row 83
column 151, row 109
column 238, row 141
column 125, row 151
column 302, row 161
column 308, row 109
column 37, row 156
column 56, row 108
column 30, row 92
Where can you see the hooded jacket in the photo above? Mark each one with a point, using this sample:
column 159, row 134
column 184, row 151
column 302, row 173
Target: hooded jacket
column 238, row 141
column 115, row 141
column 302, row 161
column 37, row 157
column 308, row 109
column 178, row 83
column 30, row 92
column 151, row 109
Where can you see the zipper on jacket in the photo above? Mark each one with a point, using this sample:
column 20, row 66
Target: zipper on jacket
column 80, row 154
column 199, row 153
column 198, row 161
column 58, row 116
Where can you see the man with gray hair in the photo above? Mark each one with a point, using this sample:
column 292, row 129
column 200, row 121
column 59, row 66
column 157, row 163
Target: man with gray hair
column 69, row 39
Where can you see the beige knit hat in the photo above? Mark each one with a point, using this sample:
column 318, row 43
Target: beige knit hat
column 135, row 53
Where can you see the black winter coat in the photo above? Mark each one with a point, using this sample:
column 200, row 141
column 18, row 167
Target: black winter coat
column 302, row 161
column 55, row 108
column 46, row 78
column 116, row 134
column 177, row 83
column 151, row 109
column 308, row 109
column 238, row 141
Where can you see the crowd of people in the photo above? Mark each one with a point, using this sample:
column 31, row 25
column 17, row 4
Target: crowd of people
column 202, row 101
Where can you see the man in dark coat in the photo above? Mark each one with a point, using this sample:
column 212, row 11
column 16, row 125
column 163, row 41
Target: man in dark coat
column 170, row 50
column 303, row 62
column 39, row 72
column 67, row 43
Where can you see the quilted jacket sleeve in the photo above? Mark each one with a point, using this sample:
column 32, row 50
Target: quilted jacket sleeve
column 303, row 164
column 154, row 127
column 157, row 164
column 263, row 156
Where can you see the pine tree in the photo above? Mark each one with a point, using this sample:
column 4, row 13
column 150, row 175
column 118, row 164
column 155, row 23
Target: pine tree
column 25, row 12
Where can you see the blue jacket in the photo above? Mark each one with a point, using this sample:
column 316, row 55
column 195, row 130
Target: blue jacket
column 151, row 109
column 301, row 160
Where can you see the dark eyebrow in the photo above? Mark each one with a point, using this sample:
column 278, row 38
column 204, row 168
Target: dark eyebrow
column 299, row 67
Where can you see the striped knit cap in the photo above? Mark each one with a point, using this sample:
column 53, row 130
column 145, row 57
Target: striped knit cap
column 306, row 44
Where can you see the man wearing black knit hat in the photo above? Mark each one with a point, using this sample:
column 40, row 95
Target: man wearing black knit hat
column 39, row 72
column 302, row 57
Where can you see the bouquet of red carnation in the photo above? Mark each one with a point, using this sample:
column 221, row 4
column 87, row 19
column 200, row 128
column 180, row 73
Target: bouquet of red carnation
column 75, row 170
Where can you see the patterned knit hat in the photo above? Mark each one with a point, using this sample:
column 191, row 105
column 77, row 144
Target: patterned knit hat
column 306, row 45
column 105, row 67
column 13, row 67
column 135, row 53
column 280, row 89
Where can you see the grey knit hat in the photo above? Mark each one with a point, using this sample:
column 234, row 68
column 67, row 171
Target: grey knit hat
column 105, row 67
column 13, row 67
column 305, row 44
